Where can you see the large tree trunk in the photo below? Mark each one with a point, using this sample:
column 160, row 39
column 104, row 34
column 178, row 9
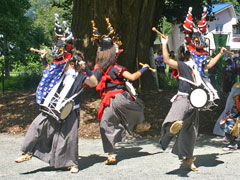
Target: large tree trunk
column 131, row 19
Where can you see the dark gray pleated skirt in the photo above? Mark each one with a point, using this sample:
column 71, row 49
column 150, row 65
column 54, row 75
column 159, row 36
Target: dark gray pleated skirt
column 122, row 114
column 53, row 142
column 184, row 145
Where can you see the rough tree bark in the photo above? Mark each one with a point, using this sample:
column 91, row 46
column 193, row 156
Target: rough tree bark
column 131, row 19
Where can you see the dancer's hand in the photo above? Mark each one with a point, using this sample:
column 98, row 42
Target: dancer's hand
column 43, row 53
column 145, row 65
column 85, row 67
column 222, row 50
column 164, row 40
column 82, row 64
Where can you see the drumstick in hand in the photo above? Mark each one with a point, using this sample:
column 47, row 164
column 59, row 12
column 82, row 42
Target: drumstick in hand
column 158, row 32
column 153, row 70
column 228, row 52
column 36, row 50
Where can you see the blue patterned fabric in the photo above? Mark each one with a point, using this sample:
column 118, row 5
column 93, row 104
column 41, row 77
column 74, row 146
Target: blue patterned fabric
column 200, row 61
column 49, row 79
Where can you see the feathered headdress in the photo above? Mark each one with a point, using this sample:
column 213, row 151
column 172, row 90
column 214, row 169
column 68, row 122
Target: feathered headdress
column 189, row 26
column 195, row 40
column 64, row 35
column 58, row 28
column 202, row 25
column 106, row 41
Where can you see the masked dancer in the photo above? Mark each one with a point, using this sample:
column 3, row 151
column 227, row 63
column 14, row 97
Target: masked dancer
column 182, row 119
column 61, row 52
column 53, row 135
column 120, row 109
column 52, row 139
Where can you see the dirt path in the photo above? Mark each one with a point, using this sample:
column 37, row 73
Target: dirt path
column 18, row 109
column 137, row 159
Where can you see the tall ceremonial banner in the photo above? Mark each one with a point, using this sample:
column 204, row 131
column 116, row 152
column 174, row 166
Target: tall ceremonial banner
column 220, row 40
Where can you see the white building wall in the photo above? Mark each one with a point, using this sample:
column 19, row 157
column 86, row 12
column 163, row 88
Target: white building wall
column 176, row 39
column 224, row 18
column 228, row 19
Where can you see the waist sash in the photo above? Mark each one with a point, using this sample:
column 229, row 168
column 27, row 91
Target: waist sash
column 106, row 101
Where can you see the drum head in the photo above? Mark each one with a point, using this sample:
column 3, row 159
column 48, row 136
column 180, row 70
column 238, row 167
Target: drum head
column 130, row 88
column 198, row 98
column 66, row 110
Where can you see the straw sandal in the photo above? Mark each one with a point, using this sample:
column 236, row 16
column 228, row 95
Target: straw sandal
column 142, row 127
column 24, row 157
column 189, row 163
column 74, row 169
column 111, row 159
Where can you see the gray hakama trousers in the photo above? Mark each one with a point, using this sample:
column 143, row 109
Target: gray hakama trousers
column 53, row 142
column 122, row 114
column 181, row 110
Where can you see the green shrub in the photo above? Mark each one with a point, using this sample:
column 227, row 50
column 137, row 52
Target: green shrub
column 166, row 82
column 29, row 80
column 24, row 77
column 22, row 81
column 35, row 66
column 10, row 84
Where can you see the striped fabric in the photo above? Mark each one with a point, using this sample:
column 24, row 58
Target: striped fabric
column 200, row 61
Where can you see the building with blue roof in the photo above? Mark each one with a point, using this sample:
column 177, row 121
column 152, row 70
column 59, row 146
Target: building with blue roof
column 220, row 7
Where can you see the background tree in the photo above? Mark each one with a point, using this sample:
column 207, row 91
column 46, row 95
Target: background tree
column 43, row 14
column 176, row 11
column 17, row 33
column 12, row 22
column 133, row 21
column 22, row 28
column 25, row 24
column 66, row 7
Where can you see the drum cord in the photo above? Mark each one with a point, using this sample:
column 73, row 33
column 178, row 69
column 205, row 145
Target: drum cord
column 187, row 80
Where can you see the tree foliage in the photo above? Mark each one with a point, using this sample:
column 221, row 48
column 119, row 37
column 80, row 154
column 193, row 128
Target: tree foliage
column 235, row 2
column 176, row 11
column 165, row 26
column 30, row 23
column 44, row 11
column 66, row 6
column 14, row 30
column 25, row 24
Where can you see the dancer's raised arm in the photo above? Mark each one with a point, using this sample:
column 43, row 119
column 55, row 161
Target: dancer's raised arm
column 172, row 63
